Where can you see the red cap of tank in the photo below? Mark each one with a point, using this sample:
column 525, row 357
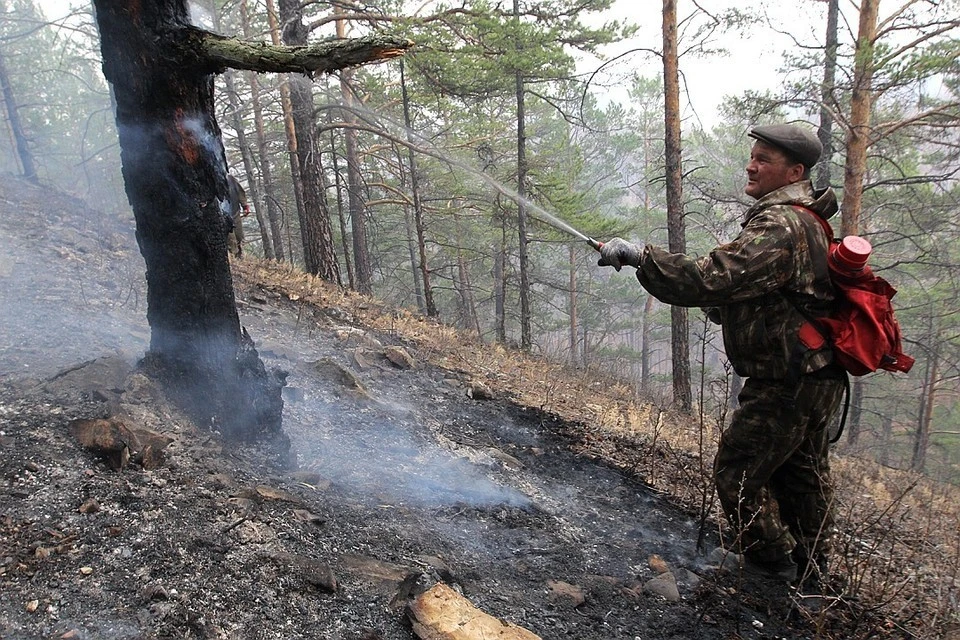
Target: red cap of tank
column 852, row 253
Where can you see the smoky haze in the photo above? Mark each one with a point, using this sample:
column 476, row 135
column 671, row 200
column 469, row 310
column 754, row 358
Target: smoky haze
column 71, row 281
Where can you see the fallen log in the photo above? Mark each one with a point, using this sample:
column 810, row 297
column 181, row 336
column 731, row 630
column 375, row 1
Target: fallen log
column 443, row 614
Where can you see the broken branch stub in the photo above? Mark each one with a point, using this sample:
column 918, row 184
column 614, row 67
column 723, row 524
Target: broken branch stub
column 321, row 57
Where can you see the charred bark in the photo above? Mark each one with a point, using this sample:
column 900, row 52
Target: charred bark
column 175, row 175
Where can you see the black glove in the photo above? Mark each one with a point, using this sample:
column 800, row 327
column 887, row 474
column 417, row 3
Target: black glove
column 618, row 252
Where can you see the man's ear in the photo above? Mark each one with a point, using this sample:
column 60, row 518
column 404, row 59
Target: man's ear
column 796, row 172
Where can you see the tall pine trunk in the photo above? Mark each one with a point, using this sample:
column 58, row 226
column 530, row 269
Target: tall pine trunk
column 858, row 133
column 500, row 273
column 827, row 87
column 363, row 271
column 236, row 120
column 676, row 225
column 316, row 233
column 858, row 142
column 572, row 308
column 16, row 127
column 423, row 267
column 526, row 340
column 266, row 172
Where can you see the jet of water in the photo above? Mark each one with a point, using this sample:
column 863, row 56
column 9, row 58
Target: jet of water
column 429, row 148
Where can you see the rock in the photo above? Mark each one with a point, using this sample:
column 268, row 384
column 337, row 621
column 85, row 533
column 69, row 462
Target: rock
column 370, row 342
column 362, row 359
column 89, row 506
column 724, row 559
column 686, row 579
column 304, row 515
column 479, row 391
column 399, row 357
column 341, row 378
column 292, row 395
column 382, row 574
column 665, row 586
column 565, row 593
column 313, row 571
column 505, row 458
column 657, row 564
column 310, row 478
column 443, row 614
column 118, row 443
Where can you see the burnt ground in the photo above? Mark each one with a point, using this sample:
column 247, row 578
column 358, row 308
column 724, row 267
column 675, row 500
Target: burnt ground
column 402, row 477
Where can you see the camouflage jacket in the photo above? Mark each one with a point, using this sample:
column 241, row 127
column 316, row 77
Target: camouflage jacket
column 758, row 282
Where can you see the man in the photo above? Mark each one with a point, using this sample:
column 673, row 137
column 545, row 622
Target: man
column 238, row 208
column 771, row 470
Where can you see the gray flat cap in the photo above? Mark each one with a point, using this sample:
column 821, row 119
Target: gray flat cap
column 803, row 146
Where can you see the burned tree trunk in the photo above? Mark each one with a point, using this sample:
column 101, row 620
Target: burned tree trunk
column 174, row 171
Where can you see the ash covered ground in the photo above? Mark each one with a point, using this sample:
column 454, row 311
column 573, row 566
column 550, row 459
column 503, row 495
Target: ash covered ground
column 405, row 474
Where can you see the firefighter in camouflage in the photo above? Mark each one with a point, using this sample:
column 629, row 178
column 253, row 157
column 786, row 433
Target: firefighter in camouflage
column 771, row 469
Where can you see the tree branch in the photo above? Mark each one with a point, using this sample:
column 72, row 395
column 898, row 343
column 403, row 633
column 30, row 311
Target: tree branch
column 322, row 57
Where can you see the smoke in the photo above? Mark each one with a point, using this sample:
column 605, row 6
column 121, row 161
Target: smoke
column 379, row 456
column 71, row 281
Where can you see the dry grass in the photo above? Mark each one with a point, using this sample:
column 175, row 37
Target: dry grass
column 898, row 533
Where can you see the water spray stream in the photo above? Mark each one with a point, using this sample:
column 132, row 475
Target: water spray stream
column 433, row 151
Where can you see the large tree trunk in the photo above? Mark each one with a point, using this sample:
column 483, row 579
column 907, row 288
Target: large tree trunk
column 175, row 174
column 858, row 141
column 13, row 117
column 174, row 168
column 676, row 225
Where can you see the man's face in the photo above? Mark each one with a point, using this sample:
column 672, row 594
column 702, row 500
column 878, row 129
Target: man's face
column 769, row 169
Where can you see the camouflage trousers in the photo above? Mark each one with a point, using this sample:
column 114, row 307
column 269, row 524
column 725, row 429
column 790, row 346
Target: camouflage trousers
column 235, row 239
column 772, row 471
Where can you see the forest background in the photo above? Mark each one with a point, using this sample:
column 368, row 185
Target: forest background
column 425, row 180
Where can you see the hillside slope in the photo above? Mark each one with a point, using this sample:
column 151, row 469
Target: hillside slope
column 417, row 457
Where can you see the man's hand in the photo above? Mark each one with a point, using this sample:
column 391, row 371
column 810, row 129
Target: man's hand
column 618, row 252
